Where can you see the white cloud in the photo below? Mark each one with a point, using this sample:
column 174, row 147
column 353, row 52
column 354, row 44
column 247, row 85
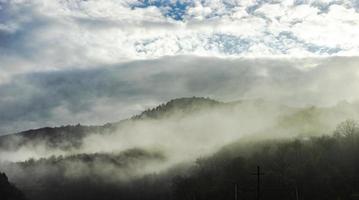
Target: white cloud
column 57, row 35
column 75, row 33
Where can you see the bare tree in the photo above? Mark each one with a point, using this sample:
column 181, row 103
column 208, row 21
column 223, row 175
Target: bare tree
column 348, row 128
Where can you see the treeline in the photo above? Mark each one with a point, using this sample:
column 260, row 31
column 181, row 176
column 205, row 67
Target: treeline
column 63, row 137
column 179, row 106
column 94, row 176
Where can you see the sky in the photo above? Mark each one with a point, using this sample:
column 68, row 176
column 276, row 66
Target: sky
column 98, row 61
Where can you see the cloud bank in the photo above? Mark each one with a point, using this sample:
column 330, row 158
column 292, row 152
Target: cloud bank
column 106, row 94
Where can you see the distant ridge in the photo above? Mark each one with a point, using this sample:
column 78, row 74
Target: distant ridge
column 291, row 118
column 70, row 136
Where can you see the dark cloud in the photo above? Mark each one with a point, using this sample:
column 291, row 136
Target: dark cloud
column 114, row 92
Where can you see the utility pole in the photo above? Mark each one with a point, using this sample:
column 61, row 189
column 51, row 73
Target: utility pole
column 258, row 174
column 296, row 193
column 235, row 191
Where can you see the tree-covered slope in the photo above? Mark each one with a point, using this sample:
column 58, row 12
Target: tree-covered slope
column 324, row 167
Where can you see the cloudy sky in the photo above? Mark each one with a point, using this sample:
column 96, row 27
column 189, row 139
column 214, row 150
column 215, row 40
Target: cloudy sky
column 94, row 61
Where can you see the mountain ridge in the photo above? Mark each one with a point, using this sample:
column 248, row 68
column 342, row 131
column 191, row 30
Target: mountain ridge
column 58, row 136
column 71, row 136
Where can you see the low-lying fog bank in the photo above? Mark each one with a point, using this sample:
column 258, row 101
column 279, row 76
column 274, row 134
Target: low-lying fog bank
column 179, row 131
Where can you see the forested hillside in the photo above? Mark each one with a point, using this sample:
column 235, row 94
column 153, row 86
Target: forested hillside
column 193, row 148
column 285, row 120
column 312, row 168
column 324, row 167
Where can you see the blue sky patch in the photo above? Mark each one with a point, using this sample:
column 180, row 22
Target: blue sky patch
column 175, row 9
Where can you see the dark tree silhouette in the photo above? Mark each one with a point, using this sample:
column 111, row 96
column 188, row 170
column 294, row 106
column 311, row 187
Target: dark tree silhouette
column 9, row 191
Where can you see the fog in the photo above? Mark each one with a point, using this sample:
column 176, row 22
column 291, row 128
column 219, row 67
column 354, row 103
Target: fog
column 177, row 136
column 250, row 100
